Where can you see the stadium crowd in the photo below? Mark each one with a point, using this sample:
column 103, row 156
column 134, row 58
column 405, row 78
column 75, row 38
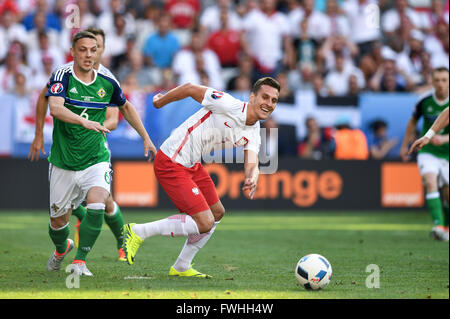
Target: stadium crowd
column 334, row 47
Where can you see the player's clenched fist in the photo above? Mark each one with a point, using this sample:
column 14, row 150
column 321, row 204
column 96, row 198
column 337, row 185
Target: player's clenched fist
column 156, row 100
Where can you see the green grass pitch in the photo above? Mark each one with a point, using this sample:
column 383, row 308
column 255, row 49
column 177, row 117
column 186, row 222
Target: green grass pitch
column 252, row 255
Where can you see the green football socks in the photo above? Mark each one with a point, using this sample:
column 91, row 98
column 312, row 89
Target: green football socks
column 435, row 207
column 90, row 229
column 59, row 237
column 79, row 212
column 115, row 223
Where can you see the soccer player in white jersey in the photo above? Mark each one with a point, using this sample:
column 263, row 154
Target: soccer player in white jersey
column 113, row 214
column 224, row 121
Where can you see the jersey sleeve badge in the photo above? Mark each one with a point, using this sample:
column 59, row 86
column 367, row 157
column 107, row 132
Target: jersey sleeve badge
column 56, row 88
column 216, row 95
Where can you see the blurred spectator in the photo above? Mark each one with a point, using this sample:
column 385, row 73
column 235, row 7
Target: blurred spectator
column 379, row 144
column 302, row 78
column 10, row 29
column 336, row 45
column 44, row 49
column 437, row 14
column 9, row 70
column 351, row 143
column 40, row 28
column 267, row 40
column 370, row 62
column 210, row 20
column 107, row 20
column 413, row 55
column 318, row 143
column 316, row 25
column 319, row 86
column 147, row 25
column 40, row 79
column 160, row 48
column 51, row 18
column 243, row 83
column 286, row 94
column 388, row 77
column 338, row 21
column 400, row 20
column 137, row 8
column 245, row 68
column 184, row 13
column 118, row 41
column 353, row 85
column 134, row 65
column 167, row 81
column 363, row 34
column 225, row 42
column 437, row 45
column 189, row 61
column 337, row 81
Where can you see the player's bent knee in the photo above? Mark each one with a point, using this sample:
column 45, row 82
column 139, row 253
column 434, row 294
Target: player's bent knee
column 218, row 211
column 204, row 221
column 58, row 222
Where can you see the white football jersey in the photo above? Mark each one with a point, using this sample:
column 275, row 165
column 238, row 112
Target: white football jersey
column 219, row 124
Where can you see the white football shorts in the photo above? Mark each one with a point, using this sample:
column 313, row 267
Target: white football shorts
column 429, row 163
column 68, row 189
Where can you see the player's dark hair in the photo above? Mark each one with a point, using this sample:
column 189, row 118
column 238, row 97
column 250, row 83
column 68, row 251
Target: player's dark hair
column 97, row 31
column 440, row 69
column 265, row 81
column 82, row 35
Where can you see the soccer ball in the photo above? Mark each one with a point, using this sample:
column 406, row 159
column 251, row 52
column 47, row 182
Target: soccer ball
column 313, row 272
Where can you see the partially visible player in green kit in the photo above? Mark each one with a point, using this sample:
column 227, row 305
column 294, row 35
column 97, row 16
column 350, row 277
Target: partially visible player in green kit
column 79, row 158
column 433, row 157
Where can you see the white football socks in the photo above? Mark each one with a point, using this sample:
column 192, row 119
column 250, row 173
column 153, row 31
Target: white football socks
column 173, row 226
column 190, row 249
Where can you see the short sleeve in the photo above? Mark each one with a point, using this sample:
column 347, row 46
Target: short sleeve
column 220, row 102
column 57, row 85
column 254, row 140
column 118, row 97
column 418, row 112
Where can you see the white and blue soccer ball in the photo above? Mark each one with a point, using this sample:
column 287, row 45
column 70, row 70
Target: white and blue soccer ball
column 313, row 272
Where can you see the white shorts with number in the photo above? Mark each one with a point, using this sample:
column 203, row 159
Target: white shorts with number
column 429, row 163
column 68, row 189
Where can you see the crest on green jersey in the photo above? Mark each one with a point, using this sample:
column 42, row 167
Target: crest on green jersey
column 101, row 92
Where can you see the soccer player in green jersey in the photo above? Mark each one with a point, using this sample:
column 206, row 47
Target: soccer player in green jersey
column 432, row 159
column 79, row 159
column 113, row 214
column 440, row 123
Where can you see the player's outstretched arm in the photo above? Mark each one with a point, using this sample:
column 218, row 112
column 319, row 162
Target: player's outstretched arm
column 197, row 92
column 409, row 133
column 441, row 122
column 59, row 111
column 251, row 172
column 132, row 116
column 37, row 145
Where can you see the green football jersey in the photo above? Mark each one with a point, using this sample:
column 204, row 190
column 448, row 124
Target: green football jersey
column 74, row 147
column 429, row 109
